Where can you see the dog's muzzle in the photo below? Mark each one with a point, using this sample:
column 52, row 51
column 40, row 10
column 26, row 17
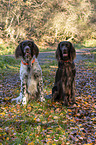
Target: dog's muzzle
column 65, row 53
column 27, row 52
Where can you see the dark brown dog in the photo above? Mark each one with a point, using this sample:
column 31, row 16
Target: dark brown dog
column 64, row 87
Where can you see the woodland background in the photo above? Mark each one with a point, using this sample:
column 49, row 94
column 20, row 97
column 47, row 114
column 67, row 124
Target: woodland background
column 48, row 22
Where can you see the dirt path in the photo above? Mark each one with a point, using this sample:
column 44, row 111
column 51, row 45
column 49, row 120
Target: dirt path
column 81, row 54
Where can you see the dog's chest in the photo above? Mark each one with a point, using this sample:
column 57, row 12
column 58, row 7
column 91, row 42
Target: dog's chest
column 67, row 72
column 29, row 70
column 66, row 69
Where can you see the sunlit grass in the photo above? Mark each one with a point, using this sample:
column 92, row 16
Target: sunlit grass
column 90, row 43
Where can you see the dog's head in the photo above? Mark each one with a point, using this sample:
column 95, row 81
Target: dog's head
column 65, row 51
column 26, row 49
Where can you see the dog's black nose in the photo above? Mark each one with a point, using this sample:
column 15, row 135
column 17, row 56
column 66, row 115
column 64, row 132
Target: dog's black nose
column 27, row 49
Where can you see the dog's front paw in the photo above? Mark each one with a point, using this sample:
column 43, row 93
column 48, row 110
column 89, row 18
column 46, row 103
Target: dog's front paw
column 24, row 101
column 42, row 99
column 17, row 100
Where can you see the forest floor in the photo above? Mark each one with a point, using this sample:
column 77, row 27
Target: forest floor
column 47, row 123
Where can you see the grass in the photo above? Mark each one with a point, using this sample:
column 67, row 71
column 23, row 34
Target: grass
column 91, row 59
column 85, row 44
column 38, row 123
column 7, row 62
column 90, row 43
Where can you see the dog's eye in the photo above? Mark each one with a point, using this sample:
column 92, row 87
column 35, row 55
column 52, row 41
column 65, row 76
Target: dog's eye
column 29, row 44
column 23, row 44
column 62, row 45
column 67, row 45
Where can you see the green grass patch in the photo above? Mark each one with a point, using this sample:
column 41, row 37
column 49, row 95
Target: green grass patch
column 90, row 43
column 7, row 62
column 79, row 46
column 90, row 62
column 85, row 44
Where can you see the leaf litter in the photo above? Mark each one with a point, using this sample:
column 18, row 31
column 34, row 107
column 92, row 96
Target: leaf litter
column 82, row 115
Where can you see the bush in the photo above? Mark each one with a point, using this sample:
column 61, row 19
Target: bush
column 48, row 21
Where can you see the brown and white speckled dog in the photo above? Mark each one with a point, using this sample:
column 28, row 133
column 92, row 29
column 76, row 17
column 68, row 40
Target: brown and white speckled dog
column 64, row 87
column 30, row 72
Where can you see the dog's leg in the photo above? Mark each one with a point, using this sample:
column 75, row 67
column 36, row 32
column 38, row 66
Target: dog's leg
column 54, row 96
column 19, row 98
column 64, row 93
column 73, row 92
column 40, row 89
column 24, row 91
column 69, row 95
column 65, row 99
column 73, row 86
column 54, row 93
column 23, row 97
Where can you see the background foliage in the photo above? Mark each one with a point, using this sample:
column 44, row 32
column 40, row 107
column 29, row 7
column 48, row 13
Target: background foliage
column 48, row 21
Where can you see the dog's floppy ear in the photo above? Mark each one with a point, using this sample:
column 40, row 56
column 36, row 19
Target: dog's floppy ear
column 58, row 52
column 72, row 52
column 18, row 51
column 35, row 50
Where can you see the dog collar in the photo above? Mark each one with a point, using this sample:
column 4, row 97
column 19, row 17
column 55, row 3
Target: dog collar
column 33, row 61
column 64, row 61
column 28, row 63
column 63, row 64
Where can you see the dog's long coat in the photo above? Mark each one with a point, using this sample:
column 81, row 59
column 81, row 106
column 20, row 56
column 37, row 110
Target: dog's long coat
column 30, row 73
